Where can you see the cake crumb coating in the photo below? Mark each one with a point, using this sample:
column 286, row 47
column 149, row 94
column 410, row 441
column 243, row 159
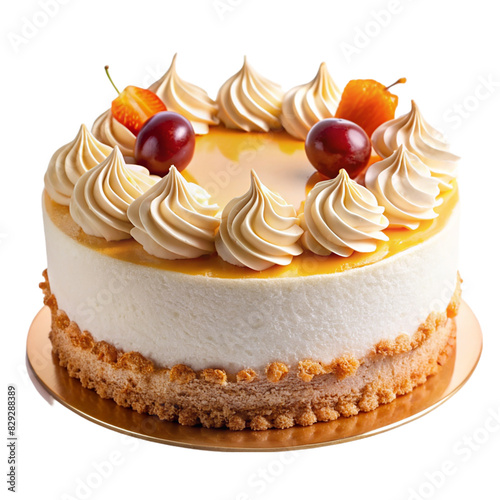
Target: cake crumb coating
column 281, row 397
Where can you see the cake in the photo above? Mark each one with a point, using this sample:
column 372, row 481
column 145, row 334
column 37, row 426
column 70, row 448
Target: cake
column 241, row 287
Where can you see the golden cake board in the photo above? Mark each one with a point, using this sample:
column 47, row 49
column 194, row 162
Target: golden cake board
column 69, row 392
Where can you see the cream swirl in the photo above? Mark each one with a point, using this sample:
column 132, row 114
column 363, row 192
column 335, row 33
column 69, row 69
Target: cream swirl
column 341, row 216
column 403, row 185
column 110, row 131
column 70, row 162
column 102, row 196
column 250, row 102
column 307, row 104
column 420, row 139
column 173, row 220
column 258, row 230
column 187, row 99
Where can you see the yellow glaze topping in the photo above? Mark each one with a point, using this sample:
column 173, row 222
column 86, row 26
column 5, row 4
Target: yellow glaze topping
column 222, row 164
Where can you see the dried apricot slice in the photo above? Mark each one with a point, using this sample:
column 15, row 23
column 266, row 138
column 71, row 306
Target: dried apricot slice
column 368, row 103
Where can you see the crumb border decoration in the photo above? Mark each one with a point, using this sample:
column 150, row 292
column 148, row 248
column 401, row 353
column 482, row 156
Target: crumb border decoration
column 213, row 398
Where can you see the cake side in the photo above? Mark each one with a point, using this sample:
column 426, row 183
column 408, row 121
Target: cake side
column 239, row 323
column 280, row 396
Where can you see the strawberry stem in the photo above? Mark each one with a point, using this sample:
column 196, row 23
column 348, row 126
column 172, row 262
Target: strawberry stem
column 106, row 68
column 401, row 80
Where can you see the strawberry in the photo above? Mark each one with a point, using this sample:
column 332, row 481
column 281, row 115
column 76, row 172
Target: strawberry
column 134, row 105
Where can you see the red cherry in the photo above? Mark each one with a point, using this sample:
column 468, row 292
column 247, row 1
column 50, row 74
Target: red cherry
column 166, row 139
column 334, row 144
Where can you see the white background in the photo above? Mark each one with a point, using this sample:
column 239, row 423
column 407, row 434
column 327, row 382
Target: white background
column 53, row 80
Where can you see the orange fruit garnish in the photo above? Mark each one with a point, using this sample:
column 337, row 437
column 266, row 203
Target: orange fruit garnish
column 134, row 105
column 368, row 103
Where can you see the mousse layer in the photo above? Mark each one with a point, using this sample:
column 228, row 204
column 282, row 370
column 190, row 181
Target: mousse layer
column 233, row 324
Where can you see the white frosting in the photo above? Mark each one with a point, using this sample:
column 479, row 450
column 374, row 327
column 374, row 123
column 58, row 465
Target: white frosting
column 103, row 194
column 341, row 216
column 420, row 139
column 111, row 132
column 187, row 99
column 258, row 229
column 250, row 102
column 173, row 219
column 403, row 185
column 70, row 162
column 305, row 105
column 232, row 324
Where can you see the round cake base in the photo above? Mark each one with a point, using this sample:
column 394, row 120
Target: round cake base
column 55, row 379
